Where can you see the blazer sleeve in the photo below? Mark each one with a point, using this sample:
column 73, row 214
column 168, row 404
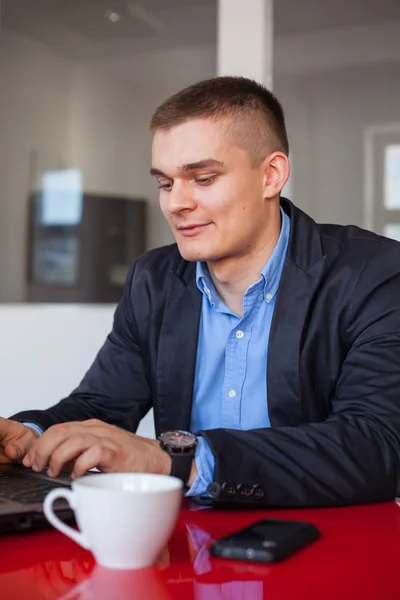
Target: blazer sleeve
column 115, row 388
column 353, row 456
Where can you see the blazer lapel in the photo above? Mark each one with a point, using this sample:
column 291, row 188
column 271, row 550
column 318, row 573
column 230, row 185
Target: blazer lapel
column 177, row 351
column 296, row 292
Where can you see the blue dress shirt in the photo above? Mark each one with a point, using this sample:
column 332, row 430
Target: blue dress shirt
column 230, row 387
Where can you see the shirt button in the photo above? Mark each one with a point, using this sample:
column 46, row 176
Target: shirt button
column 232, row 393
column 239, row 334
column 268, row 296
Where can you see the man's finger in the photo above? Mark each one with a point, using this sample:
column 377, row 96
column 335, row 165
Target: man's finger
column 16, row 450
column 69, row 450
column 96, row 456
column 41, row 450
column 3, row 458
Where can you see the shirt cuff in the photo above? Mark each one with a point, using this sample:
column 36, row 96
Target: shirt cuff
column 205, row 464
column 33, row 426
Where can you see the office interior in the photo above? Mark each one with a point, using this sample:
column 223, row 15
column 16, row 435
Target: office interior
column 79, row 80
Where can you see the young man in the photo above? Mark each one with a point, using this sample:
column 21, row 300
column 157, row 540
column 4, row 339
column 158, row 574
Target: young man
column 276, row 341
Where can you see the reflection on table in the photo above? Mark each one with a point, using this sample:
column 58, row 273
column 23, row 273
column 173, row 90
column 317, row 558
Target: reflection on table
column 357, row 557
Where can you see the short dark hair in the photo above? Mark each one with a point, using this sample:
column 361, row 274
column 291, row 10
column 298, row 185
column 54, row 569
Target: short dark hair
column 253, row 114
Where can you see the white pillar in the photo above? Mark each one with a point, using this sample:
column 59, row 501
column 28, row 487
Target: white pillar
column 245, row 39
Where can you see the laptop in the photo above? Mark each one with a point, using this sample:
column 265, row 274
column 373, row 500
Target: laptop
column 22, row 492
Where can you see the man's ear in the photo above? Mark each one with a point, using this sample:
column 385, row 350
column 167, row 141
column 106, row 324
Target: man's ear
column 276, row 173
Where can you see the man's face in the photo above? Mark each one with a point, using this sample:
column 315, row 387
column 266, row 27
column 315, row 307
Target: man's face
column 210, row 194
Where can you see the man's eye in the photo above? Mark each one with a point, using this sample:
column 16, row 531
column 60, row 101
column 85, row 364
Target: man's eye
column 165, row 186
column 206, row 180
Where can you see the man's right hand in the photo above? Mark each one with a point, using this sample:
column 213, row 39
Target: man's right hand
column 15, row 440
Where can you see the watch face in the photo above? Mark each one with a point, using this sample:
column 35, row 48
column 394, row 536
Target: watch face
column 178, row 439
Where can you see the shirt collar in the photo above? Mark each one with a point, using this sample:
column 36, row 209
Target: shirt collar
column 272, row 270
column 203, row 280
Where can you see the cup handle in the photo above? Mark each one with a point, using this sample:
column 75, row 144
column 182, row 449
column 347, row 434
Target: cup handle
column 68, row 495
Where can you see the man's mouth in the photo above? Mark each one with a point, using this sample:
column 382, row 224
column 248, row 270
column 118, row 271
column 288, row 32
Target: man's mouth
column 193, row 229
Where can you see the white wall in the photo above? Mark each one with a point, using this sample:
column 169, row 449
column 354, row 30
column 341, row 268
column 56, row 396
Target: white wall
column 113, row 101
column 111, row 143
column 338, row 48
column 293, row 94
column 327, row 116
column 3, row 171
column 58, row 114
column 35, row 93
column 45, row 351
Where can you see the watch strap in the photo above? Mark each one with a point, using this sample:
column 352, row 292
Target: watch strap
column 181, row 465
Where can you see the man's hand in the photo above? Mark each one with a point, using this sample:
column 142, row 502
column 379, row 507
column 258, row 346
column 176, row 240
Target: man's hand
column 93, row 443
column 15, row 440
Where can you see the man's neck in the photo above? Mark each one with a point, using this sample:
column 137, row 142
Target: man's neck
column 233, row 276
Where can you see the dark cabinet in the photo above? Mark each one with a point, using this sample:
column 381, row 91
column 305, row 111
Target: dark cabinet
column 80, row 249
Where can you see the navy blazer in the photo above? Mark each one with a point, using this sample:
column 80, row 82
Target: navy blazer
column 333, row 371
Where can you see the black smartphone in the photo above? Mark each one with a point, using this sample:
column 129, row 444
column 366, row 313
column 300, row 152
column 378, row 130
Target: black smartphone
column 268, row 540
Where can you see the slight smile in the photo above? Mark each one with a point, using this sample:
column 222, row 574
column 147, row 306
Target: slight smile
column 192, row 230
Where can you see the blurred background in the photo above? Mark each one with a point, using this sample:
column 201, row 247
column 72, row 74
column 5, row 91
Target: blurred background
column 79, row 80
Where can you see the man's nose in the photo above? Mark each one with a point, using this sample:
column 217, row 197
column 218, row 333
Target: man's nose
column 180, row 198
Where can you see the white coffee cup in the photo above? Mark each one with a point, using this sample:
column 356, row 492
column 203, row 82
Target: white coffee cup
column 125, row 519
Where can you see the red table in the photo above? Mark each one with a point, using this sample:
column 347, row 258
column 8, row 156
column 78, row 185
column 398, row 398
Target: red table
column 358, row 557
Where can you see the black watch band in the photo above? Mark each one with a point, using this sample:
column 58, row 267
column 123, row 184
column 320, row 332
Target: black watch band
column 180, row 445
column 181, row 465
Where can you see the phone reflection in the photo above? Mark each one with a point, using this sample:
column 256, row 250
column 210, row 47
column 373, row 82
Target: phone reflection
column 217, row 579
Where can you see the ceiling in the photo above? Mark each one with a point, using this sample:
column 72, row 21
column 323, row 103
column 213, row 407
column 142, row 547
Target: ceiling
column 80, row 30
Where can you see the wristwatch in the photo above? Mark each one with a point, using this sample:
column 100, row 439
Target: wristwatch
column 180, row 445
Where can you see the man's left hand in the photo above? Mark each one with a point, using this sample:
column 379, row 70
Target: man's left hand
column 93, row 443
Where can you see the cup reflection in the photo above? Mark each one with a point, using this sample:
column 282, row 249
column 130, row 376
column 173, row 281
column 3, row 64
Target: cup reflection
column 104, row 584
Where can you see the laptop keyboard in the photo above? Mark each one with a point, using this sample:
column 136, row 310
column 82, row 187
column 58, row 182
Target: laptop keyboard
column 26, row 490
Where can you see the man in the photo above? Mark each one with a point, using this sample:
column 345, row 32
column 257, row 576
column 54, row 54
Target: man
column 275, row 340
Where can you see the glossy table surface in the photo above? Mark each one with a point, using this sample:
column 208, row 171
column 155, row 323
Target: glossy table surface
column 357, row 557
